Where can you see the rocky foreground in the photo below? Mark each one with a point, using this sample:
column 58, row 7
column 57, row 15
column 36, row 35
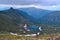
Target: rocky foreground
column 41, row 37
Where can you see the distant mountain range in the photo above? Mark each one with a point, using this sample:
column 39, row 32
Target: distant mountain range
column 43, row 16
column 35, row 12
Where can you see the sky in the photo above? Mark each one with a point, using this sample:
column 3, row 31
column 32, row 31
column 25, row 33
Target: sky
column 24, row 2
column 45, row 4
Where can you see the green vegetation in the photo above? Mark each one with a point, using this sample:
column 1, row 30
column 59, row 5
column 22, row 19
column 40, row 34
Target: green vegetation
column 49, row 29
column 11, row 21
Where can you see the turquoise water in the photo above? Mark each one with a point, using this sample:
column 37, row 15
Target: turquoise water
column 33, row 28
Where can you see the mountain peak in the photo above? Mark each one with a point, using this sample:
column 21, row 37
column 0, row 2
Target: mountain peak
column 11, row 8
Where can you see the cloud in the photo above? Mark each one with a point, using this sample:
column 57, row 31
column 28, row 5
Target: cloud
column 50, row 2
column 53, row 7
column 25, row 2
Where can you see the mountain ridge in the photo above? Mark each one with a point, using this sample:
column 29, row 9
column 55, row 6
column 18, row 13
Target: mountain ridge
column 35, row 12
